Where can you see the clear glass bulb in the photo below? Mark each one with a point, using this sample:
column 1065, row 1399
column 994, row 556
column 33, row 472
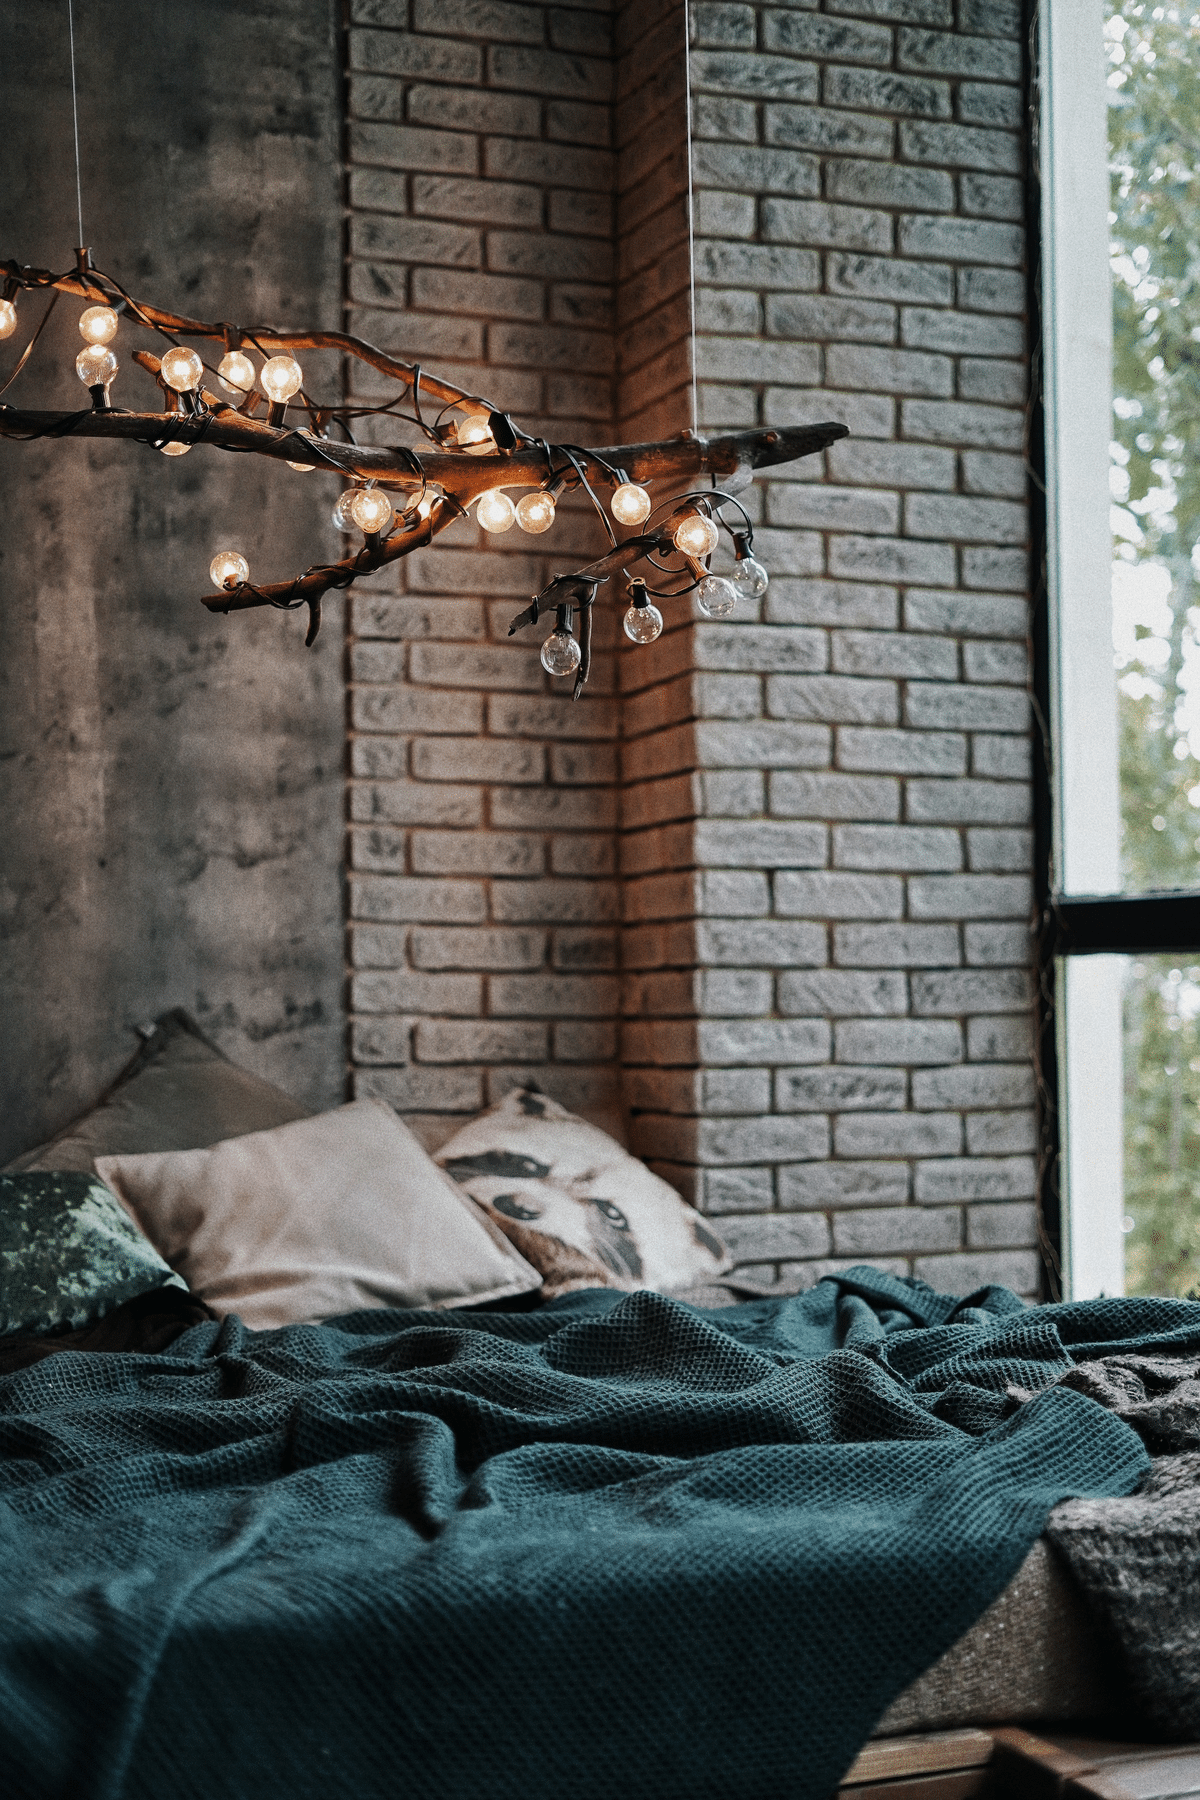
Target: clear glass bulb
column 96, row 366
column 561, row 655
column 535, row 512
column 98, row 324
column 229, row 568
column 8, row 318
column 630, row 503
column 175, row 449
column 750, row 577
column 716, row 597
column 303, row 468
column 235, row 372
column 342, row 516
column 643, row 624
column 475, row 435
column 281, row 377
column 496, row 511
column 371, row 510
column 182, row 369
column 696, row 536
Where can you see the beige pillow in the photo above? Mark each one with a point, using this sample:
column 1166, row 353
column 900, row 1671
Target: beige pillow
column 315, row 1218
column 578, row 1207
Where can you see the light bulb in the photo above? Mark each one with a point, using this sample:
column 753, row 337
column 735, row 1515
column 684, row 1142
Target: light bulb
column 496, row 511
column 281, row 377
column 95, row 366
column 175, row 449
column 716, row 597
column 749, row 577
column 371, row 510
column 561, row 655
column 236, row 374
column 303, row 468
column 228, row 569
column 342, row 516
column 8, row 318
column 98, row 324
column 630, row 503
column 535, row 512
column 475, row 435
column 426, row 504
column 182, row 369
column 696, row 536
column 643, row 623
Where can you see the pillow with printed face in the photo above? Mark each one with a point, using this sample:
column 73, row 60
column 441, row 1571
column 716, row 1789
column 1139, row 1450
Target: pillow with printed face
column 575, row 1203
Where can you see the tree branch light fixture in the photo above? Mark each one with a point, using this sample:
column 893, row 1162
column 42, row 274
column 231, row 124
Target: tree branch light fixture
column 401, row 498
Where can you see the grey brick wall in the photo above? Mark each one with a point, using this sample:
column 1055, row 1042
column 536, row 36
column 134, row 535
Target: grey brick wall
column 813, row 823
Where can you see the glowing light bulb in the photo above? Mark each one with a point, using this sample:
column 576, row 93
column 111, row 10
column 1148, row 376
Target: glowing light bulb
column 182, row 369
column 235, row 372
column 474, row 435
column 98, row 324
column 95, row 366
column 175, row 449
column 371, row 510
column 561, row 655
column 716, row 597
column 303, row 468
column 643, row 623
column 281, row 377
column 228, row 569
column 696, row 536
column 496, row 511
column 342, row 516
column 630, row 504
column 8, row 318
column 749, row 577
column 535, row 512
column 426, row 504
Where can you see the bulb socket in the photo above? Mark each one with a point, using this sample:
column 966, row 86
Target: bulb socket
column 638, row 595
column 276, row 413
column 99, row 395
column 743, row 545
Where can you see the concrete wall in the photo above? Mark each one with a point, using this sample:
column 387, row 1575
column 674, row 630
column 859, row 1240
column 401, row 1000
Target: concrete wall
column 170, row 783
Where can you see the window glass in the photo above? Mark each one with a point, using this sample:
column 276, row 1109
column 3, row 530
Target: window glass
column 1161, row 1219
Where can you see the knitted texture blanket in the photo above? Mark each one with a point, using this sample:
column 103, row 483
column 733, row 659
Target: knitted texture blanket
column 1138, row 1559
column 614, row 1546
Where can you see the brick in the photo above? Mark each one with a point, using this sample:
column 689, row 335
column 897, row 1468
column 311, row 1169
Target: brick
column 756, row 169
column 765, row 744
column 883, row 278
column 554, row 996
column 976, row 1178
column 969, row 897
column 1001, row 1133
column 897, row 1134
column 723, row 24
column 380, row 1040
column 762, row 1041
column 420, row 58
column 839, row 1090
column 581, row 29
column 841, row 993
column 733, row 1091
column 973, row 520
column 1008, row 758
column 582, row 950
column 890, row 1230
column 492, row 296
column 494, row 21
column 864, row 1183
column 897, row 1041
column 966, row 615
column 961, row 147
column 1000, row 850
column 896, row 847
column 400, row 991
column 404, row 898
column 753, row 74
column 957, row 991
column 966, row 802
column 447, row 1090
column 773, row 1236
column 554, row 902
column 865, row 415
column 450, row 947
column 889, row 184
column 894, row 653
column 477, row 759
column 474, row 110
column 380, row 238
column 1005, row 383
column 1019, row 1270
column 1002, row 1227
column 732, row 993
column 475, row 853
column 841, row 698
column 474, row 665
column 403, row 617
column 591, row 855
column 823, row 317
column 733, row 793
column 830, row 895
column 403, row 147
column 917, row 12
column 991, row 290
column 970, row 1085
column 961, row 240
column 811, row 222
column 509, row 159
column 988, row 568
column 412, row 803
column 813, row 128
column 994, row 944
column 735, row 1190
column 987, row 472
column 998, row 1040
column 771, row 1137
column 761, row 844
column 577, row 122
column 895, row 946
column 489, row 202
column 553, row 809
column 550, row 255
column 946, row 53
column 998, row 18
column 966, row 707
column 540, row 71
column 585, row 1041
column 793, row 602
column 550, row 717
column 764, row 266
column 481, row 1040
column 893, row 559
column 725, row 215
column 864, row 90
column 832, row 509
column 718, row 116
column 891, row 465
column 763, row 941
column 993, row 196
column 826, row 39
column 960, row 334
column 980, row 104
column 803, row 796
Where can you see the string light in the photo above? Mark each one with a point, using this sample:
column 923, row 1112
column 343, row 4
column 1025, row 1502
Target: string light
column 8, row 318
column 343, row 518
column 182, row 370
column 229, row 569
column 474, row 435
column 643, row 622
column 535, row 512
column 561, row 654
column 496, row 511
column 749, row 577
column 96, row 366
column 98, row 325
column 175, row 448
column 235, row 372
column 696, row 536
column 371, row 510
column 303, row 468
column 630, row 504
column 716, row 597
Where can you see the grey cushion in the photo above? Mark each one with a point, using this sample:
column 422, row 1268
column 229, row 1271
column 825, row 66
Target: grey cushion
column 178, row 1093
column 69, row 1252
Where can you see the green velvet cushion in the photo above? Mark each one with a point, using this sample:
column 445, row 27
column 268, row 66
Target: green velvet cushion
column 69, row 1252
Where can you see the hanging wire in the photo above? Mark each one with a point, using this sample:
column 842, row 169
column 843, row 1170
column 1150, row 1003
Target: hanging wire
column 75, row 116
column 691, row 209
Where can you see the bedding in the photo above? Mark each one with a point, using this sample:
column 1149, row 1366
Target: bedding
column 317, row 1217
column 616, row 1545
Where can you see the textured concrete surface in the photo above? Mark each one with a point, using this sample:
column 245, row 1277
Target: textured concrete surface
column 170, row 783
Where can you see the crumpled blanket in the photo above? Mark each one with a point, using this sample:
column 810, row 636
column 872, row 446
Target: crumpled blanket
column 1138, row 1559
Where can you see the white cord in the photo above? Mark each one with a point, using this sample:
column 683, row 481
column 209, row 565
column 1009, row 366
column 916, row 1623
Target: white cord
column 75, row 114
column 691, row 220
